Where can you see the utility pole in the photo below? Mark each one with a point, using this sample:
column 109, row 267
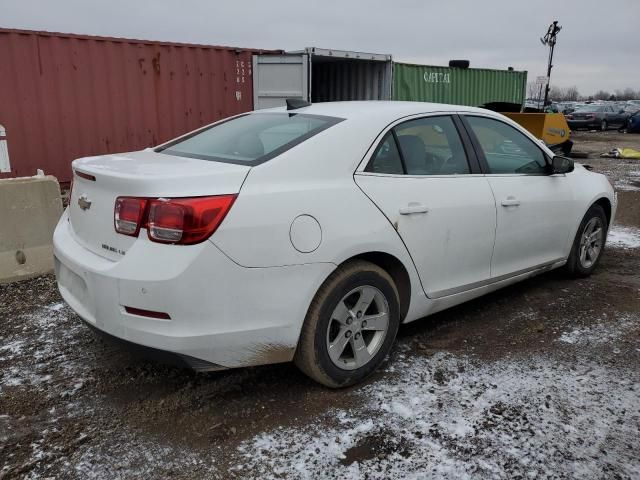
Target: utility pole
column 550, row 40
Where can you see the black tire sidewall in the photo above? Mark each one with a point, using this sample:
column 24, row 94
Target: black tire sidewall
column 358, row 279
column 575, row 265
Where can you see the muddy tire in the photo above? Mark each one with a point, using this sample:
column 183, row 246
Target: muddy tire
column 350, row 326
column 588, row 243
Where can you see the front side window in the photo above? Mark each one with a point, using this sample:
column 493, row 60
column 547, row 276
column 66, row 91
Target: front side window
column 425, row 146
column 250, row 139
column 506, row 149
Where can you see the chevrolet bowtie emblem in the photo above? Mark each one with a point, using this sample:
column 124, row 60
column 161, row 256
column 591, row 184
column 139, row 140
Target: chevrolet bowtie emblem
column 84, row 202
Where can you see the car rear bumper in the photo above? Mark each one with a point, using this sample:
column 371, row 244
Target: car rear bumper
column 221, row 313
column 575, row 124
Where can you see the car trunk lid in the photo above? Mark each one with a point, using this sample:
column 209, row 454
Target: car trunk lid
column 98, row 181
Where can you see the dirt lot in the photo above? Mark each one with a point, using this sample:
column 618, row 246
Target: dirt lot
column 539, row 380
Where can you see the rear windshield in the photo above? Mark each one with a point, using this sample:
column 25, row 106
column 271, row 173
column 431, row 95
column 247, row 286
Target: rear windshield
column 250, row 139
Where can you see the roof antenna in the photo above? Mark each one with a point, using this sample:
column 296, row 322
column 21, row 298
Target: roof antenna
column 294, row 103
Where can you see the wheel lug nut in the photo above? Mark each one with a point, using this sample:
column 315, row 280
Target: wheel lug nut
column 357, row 336
column 347, row 333
column 349, row 320
column 359, row 314
column 364, row 323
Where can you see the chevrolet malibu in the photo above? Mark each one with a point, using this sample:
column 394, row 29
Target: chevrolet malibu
column 311, row 232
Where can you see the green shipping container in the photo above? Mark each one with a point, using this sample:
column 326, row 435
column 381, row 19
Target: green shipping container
column 457, row 86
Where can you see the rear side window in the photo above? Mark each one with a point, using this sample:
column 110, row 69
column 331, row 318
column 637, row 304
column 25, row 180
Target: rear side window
column 425, row 146
column 432, row 146
column 250, row 139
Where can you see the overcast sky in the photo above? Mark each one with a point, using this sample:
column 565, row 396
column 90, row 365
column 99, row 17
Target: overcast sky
column 598, row 47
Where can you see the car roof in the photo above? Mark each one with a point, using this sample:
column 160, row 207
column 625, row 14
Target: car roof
column 390, row 110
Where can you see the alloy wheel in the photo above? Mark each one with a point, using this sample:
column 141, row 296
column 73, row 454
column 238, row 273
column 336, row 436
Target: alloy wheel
column 591, row 242
column 357, row 327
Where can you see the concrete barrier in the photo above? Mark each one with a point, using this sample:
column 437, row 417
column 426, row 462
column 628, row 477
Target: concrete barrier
column 29, row 210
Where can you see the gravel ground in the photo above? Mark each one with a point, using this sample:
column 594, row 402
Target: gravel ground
column 538, row 380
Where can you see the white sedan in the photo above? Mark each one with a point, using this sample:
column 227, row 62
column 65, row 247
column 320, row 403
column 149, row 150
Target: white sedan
column 310, row 233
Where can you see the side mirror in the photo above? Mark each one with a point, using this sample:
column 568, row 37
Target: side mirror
column 561, row 165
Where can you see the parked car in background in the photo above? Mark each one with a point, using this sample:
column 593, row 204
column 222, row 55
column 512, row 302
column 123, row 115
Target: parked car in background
column 633, row 123
column 564, row 107
column 596, row 116
column 310, row 233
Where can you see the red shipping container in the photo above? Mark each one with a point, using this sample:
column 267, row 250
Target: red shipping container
column 67, row 96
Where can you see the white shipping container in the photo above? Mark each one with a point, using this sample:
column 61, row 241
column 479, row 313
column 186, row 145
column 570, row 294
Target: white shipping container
column 320, row 75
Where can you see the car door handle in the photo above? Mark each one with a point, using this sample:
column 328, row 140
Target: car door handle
column 510, row 202
column 414, row 207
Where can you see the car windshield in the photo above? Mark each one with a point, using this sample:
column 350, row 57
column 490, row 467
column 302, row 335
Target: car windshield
column 250, row 139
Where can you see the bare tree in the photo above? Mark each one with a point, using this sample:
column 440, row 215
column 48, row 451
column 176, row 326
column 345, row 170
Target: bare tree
column 601, row 95
column 556, row 94
column 627, row 94
column 571, row 94
column 533, row 90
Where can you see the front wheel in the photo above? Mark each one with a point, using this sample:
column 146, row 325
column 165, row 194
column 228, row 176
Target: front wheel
column 588, row 244
column 350, row 326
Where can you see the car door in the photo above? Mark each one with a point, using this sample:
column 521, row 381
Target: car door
column 426, row 180
column 533, row 207
column 609, row 115
column 620, row 115
column 613, row 116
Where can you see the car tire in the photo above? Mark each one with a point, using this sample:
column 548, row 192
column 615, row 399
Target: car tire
column 335, row 321
column 585, row 256
column 604, row 126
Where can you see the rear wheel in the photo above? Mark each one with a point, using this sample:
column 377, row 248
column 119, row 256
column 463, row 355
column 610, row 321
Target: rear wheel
column 589, row 243
column 350, row 326
column 604, row 126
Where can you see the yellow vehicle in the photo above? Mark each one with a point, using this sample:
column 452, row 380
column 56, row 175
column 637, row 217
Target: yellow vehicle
column 551, row 128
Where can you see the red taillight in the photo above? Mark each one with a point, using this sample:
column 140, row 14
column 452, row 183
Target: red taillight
column 128, row 215
column 182, row 221
column 187, row 220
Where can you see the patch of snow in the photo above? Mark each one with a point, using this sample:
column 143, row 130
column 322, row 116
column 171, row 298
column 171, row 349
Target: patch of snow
column 629, row 183
column 54, row 335
column 448, row 417
column 56, row 307
column 623, row 237
column 11, row 349
column 132, row 457
column 600, row 333
column 52, row 364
